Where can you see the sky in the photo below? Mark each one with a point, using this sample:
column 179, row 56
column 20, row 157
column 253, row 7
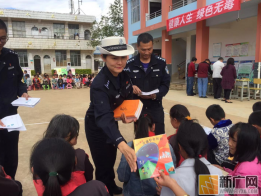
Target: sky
column 89, row 7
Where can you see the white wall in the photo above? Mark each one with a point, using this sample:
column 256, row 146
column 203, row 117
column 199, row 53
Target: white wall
column 234, row 32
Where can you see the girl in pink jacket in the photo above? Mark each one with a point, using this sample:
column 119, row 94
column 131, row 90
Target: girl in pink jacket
column 244, row 145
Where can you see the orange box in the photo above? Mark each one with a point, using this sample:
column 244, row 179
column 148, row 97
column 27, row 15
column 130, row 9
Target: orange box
column 131, row 109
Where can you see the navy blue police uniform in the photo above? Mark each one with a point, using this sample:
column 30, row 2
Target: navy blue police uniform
column 156, row 77
column 102, row 132
column 11, row 87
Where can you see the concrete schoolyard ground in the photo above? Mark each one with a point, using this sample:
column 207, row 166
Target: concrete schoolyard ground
column 75, row 102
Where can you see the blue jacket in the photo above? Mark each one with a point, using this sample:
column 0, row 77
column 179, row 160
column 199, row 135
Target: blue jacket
column 133, row 186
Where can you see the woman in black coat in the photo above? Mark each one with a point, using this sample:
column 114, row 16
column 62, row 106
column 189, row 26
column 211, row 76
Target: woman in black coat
column 229, row 75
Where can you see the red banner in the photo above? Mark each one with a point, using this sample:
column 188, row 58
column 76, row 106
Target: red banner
column 215, row 9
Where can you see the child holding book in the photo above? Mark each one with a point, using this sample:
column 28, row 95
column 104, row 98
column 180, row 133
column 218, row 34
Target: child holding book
column 67, row 128
column 133, row 186
column 218, row 137
column 192, row 143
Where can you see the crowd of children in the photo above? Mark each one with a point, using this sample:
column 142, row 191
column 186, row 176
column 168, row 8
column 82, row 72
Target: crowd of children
column 232, row 148
column 58, row 82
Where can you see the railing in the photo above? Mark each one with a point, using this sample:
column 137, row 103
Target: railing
column 70, row 37
column 153, row 15
column 181, row 68
column 180, row 4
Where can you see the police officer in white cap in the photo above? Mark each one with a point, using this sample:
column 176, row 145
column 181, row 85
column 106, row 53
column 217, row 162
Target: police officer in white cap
column 109, row 89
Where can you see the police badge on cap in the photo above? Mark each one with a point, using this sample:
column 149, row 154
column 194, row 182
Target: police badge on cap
column 116, row 46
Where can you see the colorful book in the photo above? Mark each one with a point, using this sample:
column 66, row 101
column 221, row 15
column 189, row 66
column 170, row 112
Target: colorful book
column 131, row 109
column 153, row 155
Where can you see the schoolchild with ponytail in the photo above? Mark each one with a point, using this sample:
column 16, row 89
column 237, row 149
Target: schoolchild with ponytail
column 133, row 186
column 52, row 163
column 178, row 114
column 192, row 143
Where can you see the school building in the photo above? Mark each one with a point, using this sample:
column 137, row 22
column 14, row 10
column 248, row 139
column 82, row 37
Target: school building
column 205, row 29
column 45, row 40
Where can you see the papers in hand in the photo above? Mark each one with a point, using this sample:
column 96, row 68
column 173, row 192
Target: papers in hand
column 151, row 92
column 31, row 102
column 13, row 123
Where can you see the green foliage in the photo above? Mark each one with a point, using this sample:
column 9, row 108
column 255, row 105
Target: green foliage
column 33, row 72
column 83, row 71
column 110, row 25
column 53, row 72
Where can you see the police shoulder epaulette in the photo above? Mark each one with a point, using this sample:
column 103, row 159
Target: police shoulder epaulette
column 162, row 59
column 130, row 60
column 12, row 52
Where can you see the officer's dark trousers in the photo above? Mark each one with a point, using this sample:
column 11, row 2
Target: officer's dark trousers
column 103, row 154
column 157, row 114
column 217, row 87
column 9, row 151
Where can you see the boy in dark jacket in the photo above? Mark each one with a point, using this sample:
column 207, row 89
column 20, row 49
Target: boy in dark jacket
column 203, row 70
column 60, row 82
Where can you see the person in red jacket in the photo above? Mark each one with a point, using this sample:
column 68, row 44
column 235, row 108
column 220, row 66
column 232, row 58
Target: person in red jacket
column 203, row 70
column 190, row 78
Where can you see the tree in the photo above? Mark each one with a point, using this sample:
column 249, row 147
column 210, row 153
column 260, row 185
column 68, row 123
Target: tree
column 110, row 25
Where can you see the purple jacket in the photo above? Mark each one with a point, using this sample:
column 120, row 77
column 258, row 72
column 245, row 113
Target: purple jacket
column 229, row 75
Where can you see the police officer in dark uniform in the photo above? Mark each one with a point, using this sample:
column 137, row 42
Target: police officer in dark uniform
column 11, row 87
column 149, row 72
column 108, row 90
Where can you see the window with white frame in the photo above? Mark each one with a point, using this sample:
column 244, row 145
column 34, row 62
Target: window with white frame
column 22, row 56
column 19, row 29
column 75, row 58
column 135, row 11
column 61, row 59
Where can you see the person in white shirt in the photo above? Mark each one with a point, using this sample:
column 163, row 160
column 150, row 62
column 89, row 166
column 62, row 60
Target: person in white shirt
column 217, row 78
column 192, row 145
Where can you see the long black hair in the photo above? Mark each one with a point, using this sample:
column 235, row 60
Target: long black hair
column 248, row 142
column 180, row 112
column 53, row 161
column 144, row 124
column 230, row 61
column 62, row 126
column 193, row 139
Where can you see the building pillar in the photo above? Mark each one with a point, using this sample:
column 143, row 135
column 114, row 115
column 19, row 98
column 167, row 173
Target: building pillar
column 125, row 20
column 258, row 35
column 188, row 50
column 202, row 36
column 143, row 9
column 68, row 56
column 10, row 27
column 165, row 9
column 166, row 50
